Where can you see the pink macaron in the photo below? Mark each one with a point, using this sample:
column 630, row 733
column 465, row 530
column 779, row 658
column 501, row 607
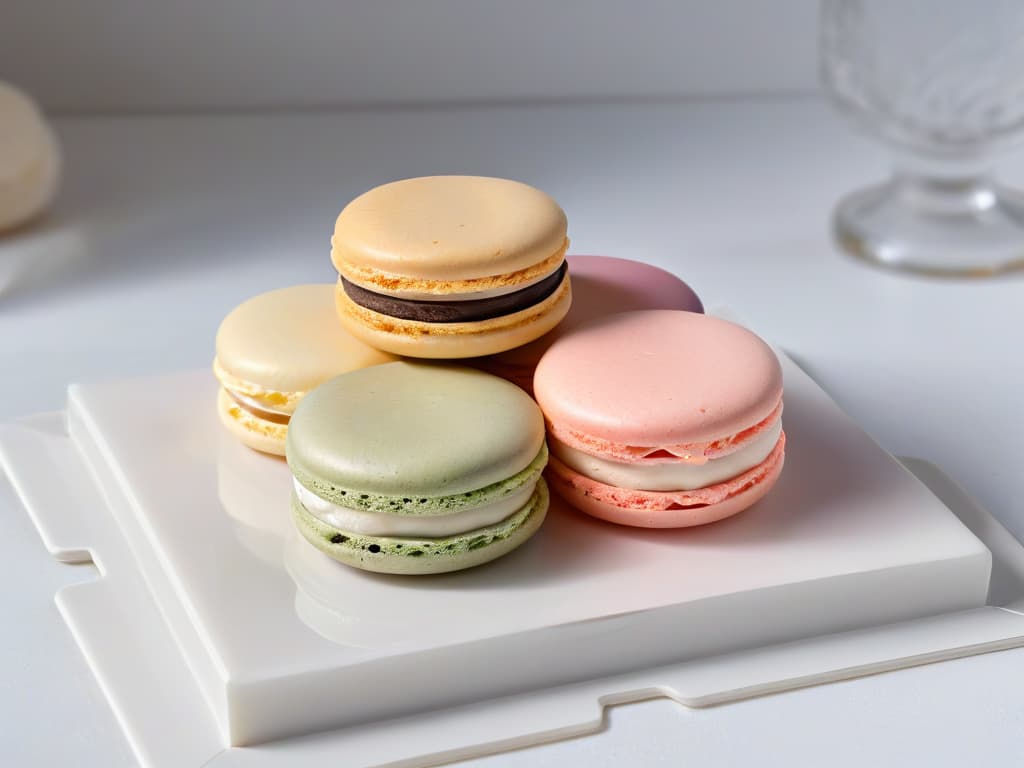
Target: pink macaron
column 661, row 419
column 600, row 285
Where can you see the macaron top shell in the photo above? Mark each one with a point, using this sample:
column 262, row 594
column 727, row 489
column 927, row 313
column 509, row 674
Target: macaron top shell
column 658, row 379
column 605, row 283
column 414, row 429
column 289, row 340
column 448, row 228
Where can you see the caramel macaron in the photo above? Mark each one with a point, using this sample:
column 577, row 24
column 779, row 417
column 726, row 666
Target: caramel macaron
column 451, row 266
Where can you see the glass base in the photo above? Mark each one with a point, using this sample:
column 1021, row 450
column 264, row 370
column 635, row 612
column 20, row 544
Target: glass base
column 959, row 228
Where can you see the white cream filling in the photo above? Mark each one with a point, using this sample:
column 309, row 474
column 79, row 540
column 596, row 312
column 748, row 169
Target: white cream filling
column 431, row 526
column 446, row 297
column 258, row 405
column 668, row 474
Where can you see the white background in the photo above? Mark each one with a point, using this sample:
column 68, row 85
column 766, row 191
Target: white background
column 118, row 55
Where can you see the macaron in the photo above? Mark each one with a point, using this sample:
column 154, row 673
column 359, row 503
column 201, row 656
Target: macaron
column 29, row 159
column 271, row 351
column 451, row 266
column 416, row 468
column 600, row 285
column 662, row 419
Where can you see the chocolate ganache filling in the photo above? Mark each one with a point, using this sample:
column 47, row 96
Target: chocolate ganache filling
column 468, row 311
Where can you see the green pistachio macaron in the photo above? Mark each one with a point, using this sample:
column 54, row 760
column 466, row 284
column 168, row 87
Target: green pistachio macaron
column 415, row 468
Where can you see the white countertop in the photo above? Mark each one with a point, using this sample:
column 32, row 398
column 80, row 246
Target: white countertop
column 165, row 223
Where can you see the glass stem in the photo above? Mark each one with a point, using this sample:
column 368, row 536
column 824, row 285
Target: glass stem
column 971, row 194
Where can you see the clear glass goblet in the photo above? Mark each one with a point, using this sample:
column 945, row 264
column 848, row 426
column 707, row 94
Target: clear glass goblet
column 942, row 83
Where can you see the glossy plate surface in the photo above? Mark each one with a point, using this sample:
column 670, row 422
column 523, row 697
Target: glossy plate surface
column 281, row 640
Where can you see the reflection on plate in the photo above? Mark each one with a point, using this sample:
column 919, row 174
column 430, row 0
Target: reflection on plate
column 373, row 610
column 246, row 481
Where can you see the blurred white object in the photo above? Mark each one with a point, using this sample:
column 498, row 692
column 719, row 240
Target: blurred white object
column 941, row 84
column 29, row 159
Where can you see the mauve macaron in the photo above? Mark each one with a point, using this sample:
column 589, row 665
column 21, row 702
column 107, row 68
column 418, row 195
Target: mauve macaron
column 662, row 418
column 600, row 285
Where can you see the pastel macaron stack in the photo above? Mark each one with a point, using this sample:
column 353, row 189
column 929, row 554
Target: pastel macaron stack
column 600, row 284
column 271, row 351
column 402, row 467
column 661, row 418
column 413, row 468
column 451, row 266
column 656, row 417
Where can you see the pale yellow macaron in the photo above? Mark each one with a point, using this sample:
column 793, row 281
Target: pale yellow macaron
column 29, row 159
column 451, row 266
column 271, row 351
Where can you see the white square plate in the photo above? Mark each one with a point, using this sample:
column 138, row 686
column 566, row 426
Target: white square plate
column 279, row 640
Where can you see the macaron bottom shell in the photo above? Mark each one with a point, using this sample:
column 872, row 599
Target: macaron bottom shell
column 658, row 509
column 254, row 432
column 414, row 338
column 421, row 556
